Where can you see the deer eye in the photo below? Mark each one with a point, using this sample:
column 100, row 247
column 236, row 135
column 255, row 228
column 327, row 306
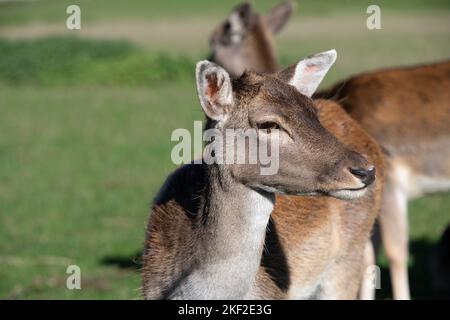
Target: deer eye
column 268, row 126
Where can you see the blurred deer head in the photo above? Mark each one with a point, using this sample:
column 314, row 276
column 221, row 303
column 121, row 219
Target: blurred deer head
column 244, row 41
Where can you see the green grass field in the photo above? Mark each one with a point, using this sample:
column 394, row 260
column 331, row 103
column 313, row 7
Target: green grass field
column 86, row 118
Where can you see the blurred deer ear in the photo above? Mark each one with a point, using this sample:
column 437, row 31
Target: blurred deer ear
column 214, row 90
column 279, row 15
column 308, row 73
column 240, row 17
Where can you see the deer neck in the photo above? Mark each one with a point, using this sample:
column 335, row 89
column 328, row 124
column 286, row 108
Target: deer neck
column 231, row 237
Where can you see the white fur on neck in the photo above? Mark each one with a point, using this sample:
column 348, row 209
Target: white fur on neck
column 232, row 276
column 259, row 208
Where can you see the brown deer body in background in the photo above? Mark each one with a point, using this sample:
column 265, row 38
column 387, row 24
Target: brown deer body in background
column 210, row 223
column 407, row 110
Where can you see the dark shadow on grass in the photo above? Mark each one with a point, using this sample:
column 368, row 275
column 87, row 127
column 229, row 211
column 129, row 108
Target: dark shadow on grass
column 133, row 261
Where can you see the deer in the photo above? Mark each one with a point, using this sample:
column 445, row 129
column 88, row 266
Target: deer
column 406, row 109
column 225, row 231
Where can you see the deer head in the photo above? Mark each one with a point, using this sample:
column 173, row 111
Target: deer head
column 244, row 41
column 311, row 160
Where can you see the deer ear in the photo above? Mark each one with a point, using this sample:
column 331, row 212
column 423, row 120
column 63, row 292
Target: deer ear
column 308, row 73
column 240, row 17
column 214, row 90
column 279, row 15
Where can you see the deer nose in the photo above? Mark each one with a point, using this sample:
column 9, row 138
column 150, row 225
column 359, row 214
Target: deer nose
column 367, row 176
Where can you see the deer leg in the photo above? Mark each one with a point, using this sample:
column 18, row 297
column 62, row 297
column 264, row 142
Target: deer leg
column 368, row 284
column 394, row 233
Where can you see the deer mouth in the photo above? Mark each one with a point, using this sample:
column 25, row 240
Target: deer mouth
column 343, row 194
column 348, row 194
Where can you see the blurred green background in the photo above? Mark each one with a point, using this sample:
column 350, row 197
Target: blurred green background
column 86, row 117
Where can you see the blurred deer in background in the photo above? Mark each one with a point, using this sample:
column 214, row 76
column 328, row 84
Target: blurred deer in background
column 210, row 223
column 406, row 109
